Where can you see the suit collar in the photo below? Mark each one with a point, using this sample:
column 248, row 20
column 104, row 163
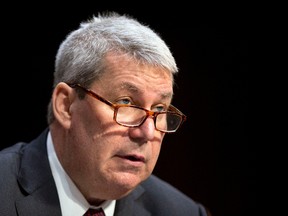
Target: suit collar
column 131, row 204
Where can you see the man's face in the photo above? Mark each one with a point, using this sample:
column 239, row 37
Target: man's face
column 104, row 159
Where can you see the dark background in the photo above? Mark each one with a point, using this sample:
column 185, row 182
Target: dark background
column 212, row 157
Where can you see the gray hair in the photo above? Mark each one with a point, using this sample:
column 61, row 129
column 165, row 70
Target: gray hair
column 80, row 57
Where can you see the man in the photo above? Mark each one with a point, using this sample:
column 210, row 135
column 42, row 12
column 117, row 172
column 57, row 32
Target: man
column 109, row 111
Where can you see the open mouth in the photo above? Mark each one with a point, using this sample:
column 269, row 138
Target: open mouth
column 134, row 158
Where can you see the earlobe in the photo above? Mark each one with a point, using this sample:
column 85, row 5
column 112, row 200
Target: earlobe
column 62, row 98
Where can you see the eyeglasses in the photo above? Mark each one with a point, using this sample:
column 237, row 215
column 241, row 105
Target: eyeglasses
column 134, row 116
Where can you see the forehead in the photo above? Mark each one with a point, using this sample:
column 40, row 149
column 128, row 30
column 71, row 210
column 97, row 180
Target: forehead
column 123, row 73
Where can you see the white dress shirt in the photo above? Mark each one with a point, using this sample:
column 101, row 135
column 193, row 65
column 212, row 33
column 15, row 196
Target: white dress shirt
column 72, row 202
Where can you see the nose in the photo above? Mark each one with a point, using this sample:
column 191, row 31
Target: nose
column 145, row 131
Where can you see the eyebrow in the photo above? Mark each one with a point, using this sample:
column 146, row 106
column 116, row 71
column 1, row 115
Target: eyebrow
column 130, row 87
column 134, row 89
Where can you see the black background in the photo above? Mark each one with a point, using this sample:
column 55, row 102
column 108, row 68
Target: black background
column 212, row 157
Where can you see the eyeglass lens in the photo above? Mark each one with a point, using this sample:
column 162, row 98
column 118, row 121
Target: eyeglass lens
column 132, row 116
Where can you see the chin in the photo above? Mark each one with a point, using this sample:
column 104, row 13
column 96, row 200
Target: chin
column 123, row 185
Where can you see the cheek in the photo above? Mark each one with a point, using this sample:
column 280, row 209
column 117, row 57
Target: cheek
column 91, row 119
column 156, row 147
column 86, row 132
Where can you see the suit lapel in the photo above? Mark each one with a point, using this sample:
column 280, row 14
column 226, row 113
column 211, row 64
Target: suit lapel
column 44, row 201
column 35, row 178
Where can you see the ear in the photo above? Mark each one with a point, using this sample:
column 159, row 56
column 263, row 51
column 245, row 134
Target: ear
column 62, row 97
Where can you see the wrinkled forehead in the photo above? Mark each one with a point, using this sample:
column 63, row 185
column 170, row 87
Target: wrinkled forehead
column 123, row 61
column 125, row 73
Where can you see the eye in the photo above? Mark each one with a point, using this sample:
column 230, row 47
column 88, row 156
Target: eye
column 159, row 108
column 124, row 101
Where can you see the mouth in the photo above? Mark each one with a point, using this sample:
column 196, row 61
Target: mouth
column 133, row 158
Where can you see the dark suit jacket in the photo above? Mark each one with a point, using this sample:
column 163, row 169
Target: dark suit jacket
column 27, row 188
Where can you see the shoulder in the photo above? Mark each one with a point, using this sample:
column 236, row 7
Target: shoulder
column 10, row 163
column 10, row 156
column 10, row 160
column 166, row 198
column 22, row 155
